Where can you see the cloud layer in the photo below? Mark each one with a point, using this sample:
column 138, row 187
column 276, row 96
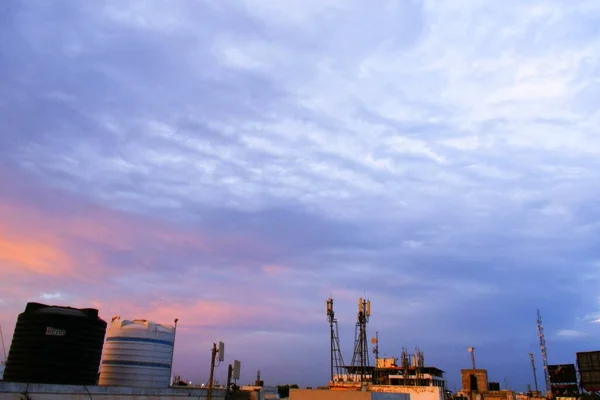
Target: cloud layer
column 234, row 164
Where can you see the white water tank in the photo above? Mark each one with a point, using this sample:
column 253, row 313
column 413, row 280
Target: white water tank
column 137, row 353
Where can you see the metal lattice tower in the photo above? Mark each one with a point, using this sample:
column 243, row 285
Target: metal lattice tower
column 534, row 373
column 337, row 362
column 360, row 358
column 543, row 349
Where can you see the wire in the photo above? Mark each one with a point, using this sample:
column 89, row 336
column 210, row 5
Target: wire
column 204, row 389
column 88, row 391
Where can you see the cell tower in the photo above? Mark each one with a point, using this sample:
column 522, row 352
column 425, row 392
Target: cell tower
column 360, row 358
column 543, row 348
column 534, row 373
column 337, row 362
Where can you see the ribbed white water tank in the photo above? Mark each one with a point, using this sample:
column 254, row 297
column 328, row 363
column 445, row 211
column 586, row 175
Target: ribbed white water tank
column 137, row 353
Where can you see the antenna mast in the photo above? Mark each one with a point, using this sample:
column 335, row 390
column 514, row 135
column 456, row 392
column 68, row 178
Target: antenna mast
column 534, row 374
column 337, row 362
column 472, row 351
column 543, row 348
column 360, row 359
column 375, row 342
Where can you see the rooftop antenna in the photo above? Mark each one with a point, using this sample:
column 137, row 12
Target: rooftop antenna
column 472, row 351
column 534, row 373
column 375, row 342
column 337, row 362
column 220, row 351
column 233, row 372
column 360, row 359
column 543, row 348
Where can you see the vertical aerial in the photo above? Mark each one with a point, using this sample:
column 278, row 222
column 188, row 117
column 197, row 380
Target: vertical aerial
column 534, row 373
column 360, row 358
column 337, row 362
column 543, row 348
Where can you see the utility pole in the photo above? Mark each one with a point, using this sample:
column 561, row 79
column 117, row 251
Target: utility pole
column 212, row 370
column 228, row 388
column 534, row 373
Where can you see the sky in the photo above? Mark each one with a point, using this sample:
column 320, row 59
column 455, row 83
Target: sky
column 235, row 163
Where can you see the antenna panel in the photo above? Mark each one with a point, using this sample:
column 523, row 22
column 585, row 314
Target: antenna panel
column 221, row 351
column 236, row 369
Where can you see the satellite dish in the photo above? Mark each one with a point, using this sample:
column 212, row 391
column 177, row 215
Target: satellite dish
column 373, row 340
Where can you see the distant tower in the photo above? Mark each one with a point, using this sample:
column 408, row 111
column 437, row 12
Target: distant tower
column 534, row 373
column 543, row 348
column 360, row 359
column 337, row 362
column 375, row 342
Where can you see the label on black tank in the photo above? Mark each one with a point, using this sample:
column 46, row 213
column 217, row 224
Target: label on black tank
column 55, row 332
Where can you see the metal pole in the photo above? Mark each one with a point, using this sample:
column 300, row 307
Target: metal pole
column 472, row 351
column 332, row 345
column 212, row 370
column 229, row 372
column 172, row 353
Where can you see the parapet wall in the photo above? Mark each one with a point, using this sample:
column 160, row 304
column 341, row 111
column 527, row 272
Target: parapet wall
column 36, row 391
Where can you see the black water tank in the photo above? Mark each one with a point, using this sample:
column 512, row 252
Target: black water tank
column 53, row 344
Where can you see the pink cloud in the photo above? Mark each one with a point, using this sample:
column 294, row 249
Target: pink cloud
column 37, row 253
column 273, row 269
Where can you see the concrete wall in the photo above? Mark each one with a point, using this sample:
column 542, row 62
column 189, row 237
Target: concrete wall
column 376, row 393
column 412, row 392
column 311, row 394
column 389, row 396
column 15, row 391
column 481, row 376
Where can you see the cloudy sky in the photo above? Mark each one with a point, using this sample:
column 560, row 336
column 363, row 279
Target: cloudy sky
column 235, row 163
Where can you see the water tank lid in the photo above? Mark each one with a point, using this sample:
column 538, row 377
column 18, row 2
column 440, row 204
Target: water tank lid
column 34, row 307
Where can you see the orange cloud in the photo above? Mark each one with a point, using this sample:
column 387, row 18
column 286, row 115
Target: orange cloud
column 33, row 241
column 34, row 254
column 273, row 269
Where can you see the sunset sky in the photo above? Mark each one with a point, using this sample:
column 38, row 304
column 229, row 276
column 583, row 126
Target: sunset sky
column 235, row 163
